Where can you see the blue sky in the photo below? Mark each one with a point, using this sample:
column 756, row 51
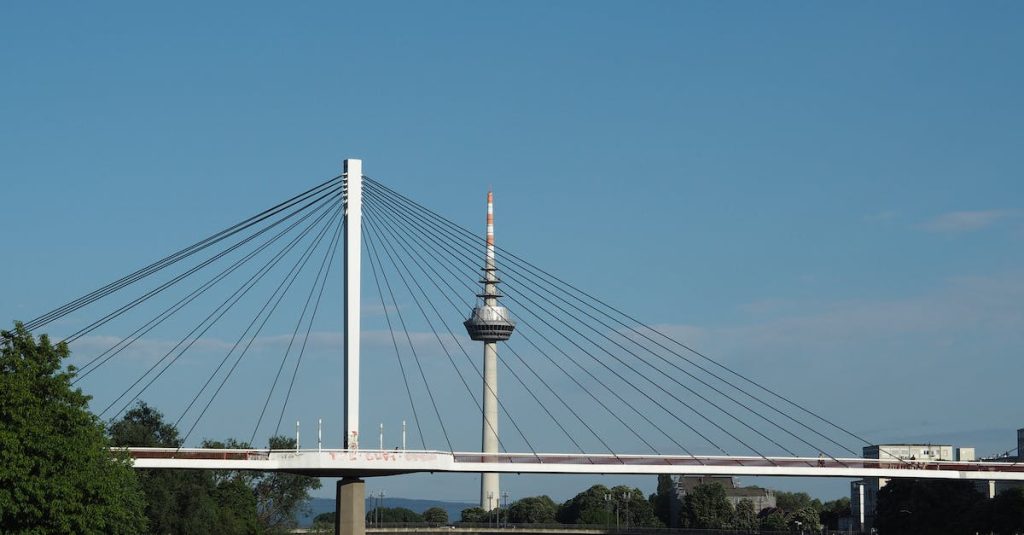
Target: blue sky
column 826, row 197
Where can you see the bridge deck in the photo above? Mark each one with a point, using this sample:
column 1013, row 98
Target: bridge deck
column 384, row 462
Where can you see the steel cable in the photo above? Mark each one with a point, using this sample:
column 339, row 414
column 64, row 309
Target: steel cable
column 170, row 259
column 412, row 347
column 407, row 248
column 433, row 238
column 329, row 253
column 279, row 292
column 386, row 245
column 212, row 318
column 114, row 350
column 562, row 284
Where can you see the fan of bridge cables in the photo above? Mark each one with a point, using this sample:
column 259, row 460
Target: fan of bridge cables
column 170, row 330
column 577, row 376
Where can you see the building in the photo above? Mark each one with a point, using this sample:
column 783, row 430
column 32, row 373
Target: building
column 762, row 498
column 864, row 492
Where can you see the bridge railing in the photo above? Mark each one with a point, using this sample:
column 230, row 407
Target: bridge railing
column 256, row 454
column 750, row 461
column 199, row 453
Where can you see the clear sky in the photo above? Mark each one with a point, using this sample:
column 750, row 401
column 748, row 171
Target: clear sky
column 827, row 197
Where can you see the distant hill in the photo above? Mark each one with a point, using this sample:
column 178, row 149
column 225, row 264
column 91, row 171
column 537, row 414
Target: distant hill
column 326, row 505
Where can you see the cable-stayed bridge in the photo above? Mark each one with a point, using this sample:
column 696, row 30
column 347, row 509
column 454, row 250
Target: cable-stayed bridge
column 594, row 389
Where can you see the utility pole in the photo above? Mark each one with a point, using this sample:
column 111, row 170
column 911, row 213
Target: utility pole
column 625, row 498
column 504, row 508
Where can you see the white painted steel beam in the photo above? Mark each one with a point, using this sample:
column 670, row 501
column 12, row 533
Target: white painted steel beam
column 328, row 463
column 353, row 185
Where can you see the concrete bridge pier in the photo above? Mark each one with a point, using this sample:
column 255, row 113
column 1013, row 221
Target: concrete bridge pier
column 350, row 507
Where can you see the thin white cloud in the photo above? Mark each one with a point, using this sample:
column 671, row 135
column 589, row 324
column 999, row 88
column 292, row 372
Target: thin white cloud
column 960, row 306
column 149, row 349
column 965, row 221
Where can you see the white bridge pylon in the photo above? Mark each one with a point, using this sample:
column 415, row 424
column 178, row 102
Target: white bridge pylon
column 337, row 463
column 353, row 199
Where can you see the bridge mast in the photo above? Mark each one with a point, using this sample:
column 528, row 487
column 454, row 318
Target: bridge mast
column 350, row 494
column 490, row 323
column 353, row 199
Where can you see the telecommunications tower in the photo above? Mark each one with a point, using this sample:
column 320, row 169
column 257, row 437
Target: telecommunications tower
column 490, row 323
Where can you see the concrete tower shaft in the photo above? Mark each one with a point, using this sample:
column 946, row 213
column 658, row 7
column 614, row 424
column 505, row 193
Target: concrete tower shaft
column 489, row 324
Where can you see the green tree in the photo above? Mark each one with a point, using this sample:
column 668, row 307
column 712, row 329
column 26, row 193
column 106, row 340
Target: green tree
column 833, row 510
column 323, row 523
column 1004, row 513
column 474, row 515
column 394, row 515
column 707, row 507
column 805, row 519
column 233, row 493
column 57, row 473
column 665, row 501
column 599, row 505
column 280, row 497
column 595, row 505
column 144, row 427
column 744, row 517
column 324, row 518
column 908, row 506
column 774, row 521
column 533, row 510
column 634, row 509
column 177, row 501
column 236, row 506
column 435, row 515
column 795, row 501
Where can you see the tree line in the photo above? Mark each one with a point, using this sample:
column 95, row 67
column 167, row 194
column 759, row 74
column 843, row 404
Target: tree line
column 905, row 506
column 707, row 507
column 58, row 475
column 946, row 507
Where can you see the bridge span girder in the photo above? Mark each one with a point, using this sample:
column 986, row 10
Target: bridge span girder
column 339, row 463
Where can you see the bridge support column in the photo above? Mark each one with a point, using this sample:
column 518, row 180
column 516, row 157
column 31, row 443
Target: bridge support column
column 350, row 507
column 353, row 250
